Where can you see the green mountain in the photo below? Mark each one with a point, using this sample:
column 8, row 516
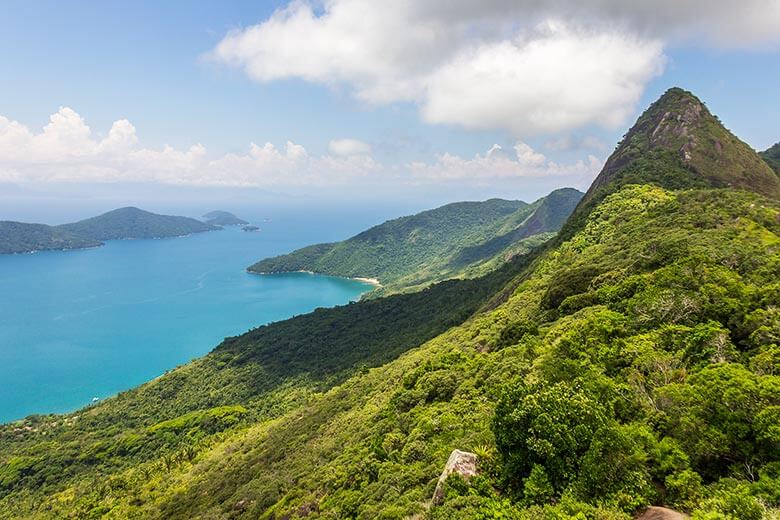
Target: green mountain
column 463, row 239
column 772, row 157
column 18, row 237
column 223, row 218
column 677, row 143
column 127, row 223
column 633, row 361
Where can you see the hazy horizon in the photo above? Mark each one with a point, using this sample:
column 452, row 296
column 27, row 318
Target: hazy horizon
column 193, row 105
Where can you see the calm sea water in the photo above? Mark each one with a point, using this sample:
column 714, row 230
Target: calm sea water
column 81, row 324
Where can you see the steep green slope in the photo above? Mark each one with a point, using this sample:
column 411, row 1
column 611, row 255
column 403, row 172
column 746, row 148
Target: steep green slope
column 772, row 157
column 18, row 237
column 461, row 239
column 126, row 223
column 549, row 215
column 677, row 143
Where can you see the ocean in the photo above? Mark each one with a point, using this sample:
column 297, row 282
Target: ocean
column 79, row 325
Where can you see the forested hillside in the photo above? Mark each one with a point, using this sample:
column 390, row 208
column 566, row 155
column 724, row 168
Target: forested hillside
column 18, row 237
column 772, row 157
column 223, row 218
column 127, row 223
column 123, row 223
column 631, row 361
column 464, row 239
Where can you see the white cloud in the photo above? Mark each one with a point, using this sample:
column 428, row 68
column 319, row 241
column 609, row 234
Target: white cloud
column 345, row 147
column 529, row 66
column 499, row 165
column 66, row 150
column 558, row 80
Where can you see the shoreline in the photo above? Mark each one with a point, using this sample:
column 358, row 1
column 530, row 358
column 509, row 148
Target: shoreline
column 371, row 281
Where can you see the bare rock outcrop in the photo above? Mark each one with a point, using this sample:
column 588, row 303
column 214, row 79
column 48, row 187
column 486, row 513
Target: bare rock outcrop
column 463, row 463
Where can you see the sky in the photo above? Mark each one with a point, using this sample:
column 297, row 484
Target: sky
column 407, row 104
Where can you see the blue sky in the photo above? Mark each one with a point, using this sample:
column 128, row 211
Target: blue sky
column 157, row 65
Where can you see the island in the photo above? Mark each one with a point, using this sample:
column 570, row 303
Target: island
column 223, row 218
column 122, row 223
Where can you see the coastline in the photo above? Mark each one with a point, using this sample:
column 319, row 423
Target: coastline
column 371, row 281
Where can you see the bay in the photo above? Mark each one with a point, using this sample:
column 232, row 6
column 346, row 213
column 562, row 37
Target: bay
column 75, row 325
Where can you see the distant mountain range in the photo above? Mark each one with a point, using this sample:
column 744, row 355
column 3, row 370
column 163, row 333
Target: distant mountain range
column 223, row 218
column 463, row 239
column 123, row 223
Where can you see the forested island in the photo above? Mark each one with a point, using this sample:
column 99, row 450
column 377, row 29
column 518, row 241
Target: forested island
column 223, row 218
column 123, row 223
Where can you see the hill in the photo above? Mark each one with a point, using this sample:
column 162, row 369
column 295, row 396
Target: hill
column 223, row 218
column 677, row 143
column 772, row 157
column 18, row 237
column 127, row 223
column 632, row 362
column 456, row 240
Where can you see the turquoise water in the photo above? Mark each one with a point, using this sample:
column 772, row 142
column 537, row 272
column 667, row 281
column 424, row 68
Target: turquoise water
column 81, row 324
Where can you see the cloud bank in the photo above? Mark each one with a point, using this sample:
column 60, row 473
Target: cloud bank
column 528, row 66
column 67, row 151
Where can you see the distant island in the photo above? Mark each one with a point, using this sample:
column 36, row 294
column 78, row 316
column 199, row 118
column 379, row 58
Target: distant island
column 251, row 228
column 223, row 218
column 123, row 223
column 19, row 237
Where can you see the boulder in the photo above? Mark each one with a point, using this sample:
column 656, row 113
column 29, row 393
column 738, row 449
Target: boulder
column 463, row 463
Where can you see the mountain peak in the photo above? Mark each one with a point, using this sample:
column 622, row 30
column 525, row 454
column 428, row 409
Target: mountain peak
column 678, row 143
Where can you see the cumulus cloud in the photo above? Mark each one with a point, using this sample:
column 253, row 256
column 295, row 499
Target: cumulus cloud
column 66, row 150
column 529, row 66
column 498, row 164
column 346, row 147
column 557, row 80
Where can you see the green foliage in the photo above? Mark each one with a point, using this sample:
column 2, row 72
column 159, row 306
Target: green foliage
column 772, row 157
column 16, row 237
column 549, row 426
column 126, row 223
column 465, row 239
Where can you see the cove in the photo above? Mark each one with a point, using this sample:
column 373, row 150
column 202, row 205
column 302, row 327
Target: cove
column 75, row 325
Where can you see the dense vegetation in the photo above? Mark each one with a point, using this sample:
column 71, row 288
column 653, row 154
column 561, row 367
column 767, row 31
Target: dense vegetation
column 223, row 218
column 677, row 143
column 18, row 237
column 634, row 361
column 126, row 223
column 463, row 239
column 251, row 378
column 772, row 157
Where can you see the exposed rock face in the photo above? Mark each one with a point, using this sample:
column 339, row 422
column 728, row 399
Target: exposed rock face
column 463, row 463
column 661, row 513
